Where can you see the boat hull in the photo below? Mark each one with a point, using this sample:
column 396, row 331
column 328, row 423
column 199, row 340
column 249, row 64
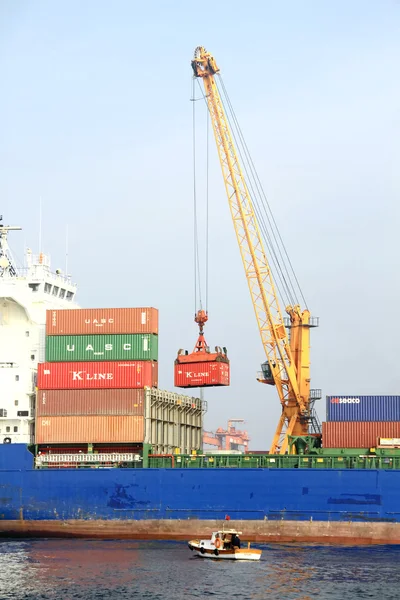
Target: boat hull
column 340, row 506
column 221, row 554
column 256, row 531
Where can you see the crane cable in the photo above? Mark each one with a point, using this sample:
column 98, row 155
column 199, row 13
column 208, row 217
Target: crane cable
column 285, row 277
column 284, row 288
column 207, row 203
column 280, row 282
column 196, row 250
column 265, row 207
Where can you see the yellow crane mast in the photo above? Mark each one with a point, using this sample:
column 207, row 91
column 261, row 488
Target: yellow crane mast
column 288, row 365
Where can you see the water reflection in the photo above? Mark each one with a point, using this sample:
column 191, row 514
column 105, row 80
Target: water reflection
column 86, row 562
column 287, row 575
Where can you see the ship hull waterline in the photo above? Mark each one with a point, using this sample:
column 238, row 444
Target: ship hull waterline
column 312, row 505
column 331, row 533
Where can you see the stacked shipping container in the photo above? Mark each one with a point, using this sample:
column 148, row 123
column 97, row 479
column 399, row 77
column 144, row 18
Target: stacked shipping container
column 99, row 375
column 64, row 403
column 172, row 422
column 105, row 320
column 61, row 348
column 359, row 421
column 99, row 399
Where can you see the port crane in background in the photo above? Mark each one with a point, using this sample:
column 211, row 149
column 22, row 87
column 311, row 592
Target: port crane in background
column 228, row 439
column 288, row 355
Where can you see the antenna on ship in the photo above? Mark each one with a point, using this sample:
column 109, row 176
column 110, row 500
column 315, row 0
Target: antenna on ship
column 66, row 250
column 7, row 263
column 40, row 225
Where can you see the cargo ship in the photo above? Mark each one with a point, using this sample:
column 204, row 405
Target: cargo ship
column 127, row 461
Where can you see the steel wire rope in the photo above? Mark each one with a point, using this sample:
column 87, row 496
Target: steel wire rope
column 205, row 99
column 265, row 205
column 283, row 288
column 207, row 205
column 283, row 272
column 197, row 281
column 266, row 234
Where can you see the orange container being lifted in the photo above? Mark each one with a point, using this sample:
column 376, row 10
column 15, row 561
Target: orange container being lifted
column 204, row 374
column 202, row 368
column 84, row 321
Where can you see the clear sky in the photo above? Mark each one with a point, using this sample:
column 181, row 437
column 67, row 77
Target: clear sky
column 96, row 119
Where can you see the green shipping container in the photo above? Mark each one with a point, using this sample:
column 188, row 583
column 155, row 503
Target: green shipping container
column 69, row 348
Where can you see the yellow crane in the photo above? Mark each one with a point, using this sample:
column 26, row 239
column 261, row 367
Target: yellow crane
column 288, row 357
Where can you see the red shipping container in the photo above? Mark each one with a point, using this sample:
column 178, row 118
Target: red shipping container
column 203, row 374
column 89, row 402
column 84, row 321
column 93, row 429
column 97, row 375
column 353, row 434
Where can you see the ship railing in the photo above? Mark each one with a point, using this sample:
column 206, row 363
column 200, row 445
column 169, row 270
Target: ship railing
column 359, row 459
column 33, row 274
column 86, row 458
column 353, row 459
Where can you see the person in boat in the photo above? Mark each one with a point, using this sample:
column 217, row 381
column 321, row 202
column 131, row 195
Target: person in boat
column 235, row 540
column 230, row 541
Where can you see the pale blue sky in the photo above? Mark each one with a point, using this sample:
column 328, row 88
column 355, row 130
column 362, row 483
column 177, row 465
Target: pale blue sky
column 95, row 118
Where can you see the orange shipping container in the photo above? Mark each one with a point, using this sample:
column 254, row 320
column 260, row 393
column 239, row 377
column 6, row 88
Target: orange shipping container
column 86, row 430
column 356, row 434
column 89, row 402
column 84, row 321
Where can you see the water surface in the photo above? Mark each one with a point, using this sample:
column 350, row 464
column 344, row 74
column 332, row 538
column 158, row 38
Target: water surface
column 116, row 570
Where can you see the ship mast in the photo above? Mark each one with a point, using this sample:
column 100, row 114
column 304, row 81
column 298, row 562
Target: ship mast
column 8, row 267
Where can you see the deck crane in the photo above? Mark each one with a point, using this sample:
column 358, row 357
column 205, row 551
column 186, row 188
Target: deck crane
column 288, row 357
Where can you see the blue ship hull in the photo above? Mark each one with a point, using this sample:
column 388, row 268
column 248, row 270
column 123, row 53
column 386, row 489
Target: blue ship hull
column 360, row 506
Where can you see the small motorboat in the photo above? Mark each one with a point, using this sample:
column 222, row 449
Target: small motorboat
column 224, row 544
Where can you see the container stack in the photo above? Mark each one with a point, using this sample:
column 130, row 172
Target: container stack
column 360, row 421
column 91, row 388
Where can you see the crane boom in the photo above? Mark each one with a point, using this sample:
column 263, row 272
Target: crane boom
column 288, row 360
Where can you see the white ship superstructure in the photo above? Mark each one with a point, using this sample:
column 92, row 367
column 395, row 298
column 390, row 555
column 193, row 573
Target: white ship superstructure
column 25, row 295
